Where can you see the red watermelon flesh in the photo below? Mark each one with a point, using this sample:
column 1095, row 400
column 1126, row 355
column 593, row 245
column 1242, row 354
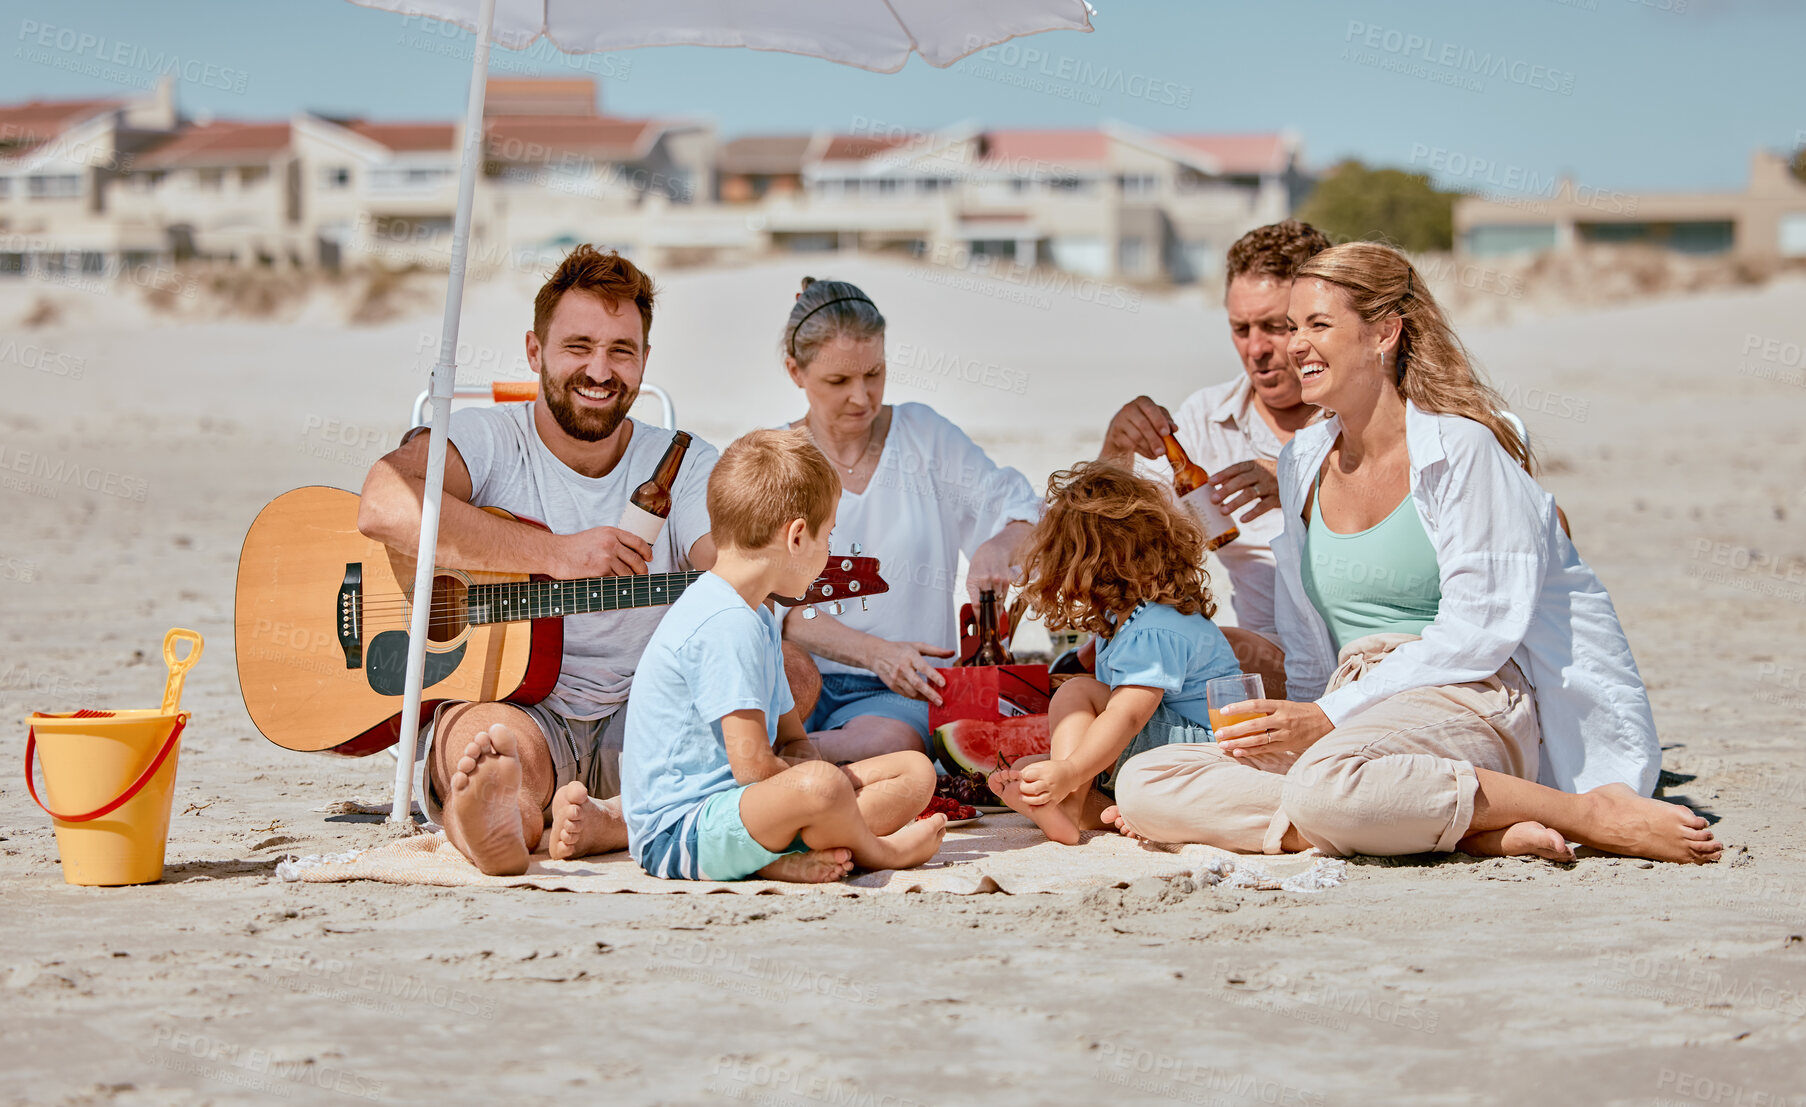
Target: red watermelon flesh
column 988, row 745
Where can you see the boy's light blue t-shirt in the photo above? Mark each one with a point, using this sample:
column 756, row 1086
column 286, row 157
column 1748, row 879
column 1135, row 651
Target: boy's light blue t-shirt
column 1156, row 647
column 711, row 655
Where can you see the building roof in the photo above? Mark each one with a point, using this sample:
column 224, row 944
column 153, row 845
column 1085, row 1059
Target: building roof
column 219, row 143
column 770, row 154
column 1053, row 147
column 856, row 147
column 1240, row 155
column 530, row 138
column 23, row 126
column 541, row 96
column 407, row 137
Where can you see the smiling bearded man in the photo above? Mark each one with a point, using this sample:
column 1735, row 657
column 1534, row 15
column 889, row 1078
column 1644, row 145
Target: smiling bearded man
column 569, row 459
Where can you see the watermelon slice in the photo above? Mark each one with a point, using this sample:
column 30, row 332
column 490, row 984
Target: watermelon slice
column 988, row 745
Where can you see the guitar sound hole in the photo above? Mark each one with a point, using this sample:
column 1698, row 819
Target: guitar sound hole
column 449, row 607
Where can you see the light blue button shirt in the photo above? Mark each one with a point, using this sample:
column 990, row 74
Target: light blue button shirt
column 1156, row 647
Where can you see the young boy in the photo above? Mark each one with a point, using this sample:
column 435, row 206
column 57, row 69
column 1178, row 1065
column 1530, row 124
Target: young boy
column 706, row 793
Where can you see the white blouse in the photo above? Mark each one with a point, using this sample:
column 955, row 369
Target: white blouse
column 934, row 495
column 1513, row 588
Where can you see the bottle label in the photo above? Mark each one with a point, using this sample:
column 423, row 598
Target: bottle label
column 1212, row 517
column 638, row 521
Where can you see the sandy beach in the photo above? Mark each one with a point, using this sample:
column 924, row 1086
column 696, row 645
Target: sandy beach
column 1671, row 431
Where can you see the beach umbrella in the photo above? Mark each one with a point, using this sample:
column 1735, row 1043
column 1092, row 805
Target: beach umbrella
column 878, row 35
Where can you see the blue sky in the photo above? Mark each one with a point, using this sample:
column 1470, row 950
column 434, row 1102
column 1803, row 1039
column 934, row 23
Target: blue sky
column 1634, row 95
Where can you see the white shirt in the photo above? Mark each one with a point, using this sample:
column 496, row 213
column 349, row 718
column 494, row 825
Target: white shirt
column 1513, row 588
column 934, row 495
column 1219, row 426
column 511, row 468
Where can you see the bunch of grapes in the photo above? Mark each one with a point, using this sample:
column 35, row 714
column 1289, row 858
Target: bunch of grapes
column 966, row 787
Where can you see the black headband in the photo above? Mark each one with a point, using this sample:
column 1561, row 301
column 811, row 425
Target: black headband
column 796, row 330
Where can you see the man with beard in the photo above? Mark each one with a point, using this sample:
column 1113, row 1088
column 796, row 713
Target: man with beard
column 569, row 460
column 1235, row 430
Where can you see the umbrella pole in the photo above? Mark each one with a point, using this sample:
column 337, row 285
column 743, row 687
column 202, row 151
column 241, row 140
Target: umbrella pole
column 445, row 373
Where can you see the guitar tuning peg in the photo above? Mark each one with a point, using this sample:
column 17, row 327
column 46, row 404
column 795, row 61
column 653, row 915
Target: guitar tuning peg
column 837, row 608
column 810, row 612
column 862, row 604
column 855, row 549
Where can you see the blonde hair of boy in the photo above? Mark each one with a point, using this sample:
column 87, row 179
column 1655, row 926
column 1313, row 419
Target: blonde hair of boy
column 765, row 479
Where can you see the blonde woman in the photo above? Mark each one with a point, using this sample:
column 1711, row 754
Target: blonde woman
column 1461, row 680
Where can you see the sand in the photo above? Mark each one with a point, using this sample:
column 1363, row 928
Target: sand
column 1674, row 445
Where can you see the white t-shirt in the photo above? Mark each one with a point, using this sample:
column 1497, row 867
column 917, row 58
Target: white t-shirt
column 934, row 495
column 1219, row 426
column 512, row 469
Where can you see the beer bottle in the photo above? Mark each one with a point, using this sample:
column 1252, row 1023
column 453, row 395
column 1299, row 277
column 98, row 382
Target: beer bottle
column 990, row 647
column 650, row 505
column 1192, row 484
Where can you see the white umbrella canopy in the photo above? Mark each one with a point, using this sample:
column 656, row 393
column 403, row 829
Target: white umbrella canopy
column 878, row 35
column 871, row 34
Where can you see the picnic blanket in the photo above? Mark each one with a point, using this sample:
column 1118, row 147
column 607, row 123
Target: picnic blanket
column 999, row 853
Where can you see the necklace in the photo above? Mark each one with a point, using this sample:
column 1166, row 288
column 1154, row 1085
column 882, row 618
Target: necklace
column 870, row 433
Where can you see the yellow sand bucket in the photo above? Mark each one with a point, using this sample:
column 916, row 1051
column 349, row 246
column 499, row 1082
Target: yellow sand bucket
column 115, row 771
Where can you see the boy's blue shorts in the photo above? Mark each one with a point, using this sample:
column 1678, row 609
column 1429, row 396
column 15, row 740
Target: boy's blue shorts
column 711, row 843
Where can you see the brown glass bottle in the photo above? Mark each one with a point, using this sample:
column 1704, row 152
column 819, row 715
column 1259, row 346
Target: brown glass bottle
column 1192, row 484
column 990, row 646
column 650, row 505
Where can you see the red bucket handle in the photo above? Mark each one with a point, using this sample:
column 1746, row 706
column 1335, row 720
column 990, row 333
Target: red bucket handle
column 31, row 749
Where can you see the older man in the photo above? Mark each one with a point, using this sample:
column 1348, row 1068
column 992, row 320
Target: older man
column 1235, row 430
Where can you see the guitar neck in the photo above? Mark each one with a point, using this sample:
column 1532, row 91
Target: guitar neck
column 518, row 601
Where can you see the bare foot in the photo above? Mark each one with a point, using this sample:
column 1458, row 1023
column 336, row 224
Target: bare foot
column 482, row 813
column 818, row 866
column 1525, row 839
column 1637, row 826
column 914, row 844
column 1113, row 816
column 582, row 826
column 1054, row 822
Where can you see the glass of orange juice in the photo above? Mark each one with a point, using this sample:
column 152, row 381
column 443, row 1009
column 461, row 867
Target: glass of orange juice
column 1229, row 691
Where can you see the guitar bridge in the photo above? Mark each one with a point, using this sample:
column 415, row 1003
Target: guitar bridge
column 351, row 615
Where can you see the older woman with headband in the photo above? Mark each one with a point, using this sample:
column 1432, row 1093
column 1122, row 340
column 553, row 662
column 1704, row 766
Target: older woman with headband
column 1459, row 674
column 915, row 494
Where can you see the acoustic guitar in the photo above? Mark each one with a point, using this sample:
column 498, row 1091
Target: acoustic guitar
column 323, row 614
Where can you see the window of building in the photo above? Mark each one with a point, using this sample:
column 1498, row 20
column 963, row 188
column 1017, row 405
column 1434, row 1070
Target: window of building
column 336, row 176
column 93, row 261
column 6, row 188
column 46, row 186
column 1491, row 240
column 210, row 179
column 12, row 264
column 251, row 174
column 1137, row 184
column 1793, row 235
column 889, row 186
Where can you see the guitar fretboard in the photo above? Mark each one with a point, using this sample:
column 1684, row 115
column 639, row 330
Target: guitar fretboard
column 517, row 601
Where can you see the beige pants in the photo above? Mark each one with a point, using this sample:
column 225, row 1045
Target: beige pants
column 1397, row 778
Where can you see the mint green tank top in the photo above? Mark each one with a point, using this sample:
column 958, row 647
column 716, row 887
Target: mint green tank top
column 1382, row 579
